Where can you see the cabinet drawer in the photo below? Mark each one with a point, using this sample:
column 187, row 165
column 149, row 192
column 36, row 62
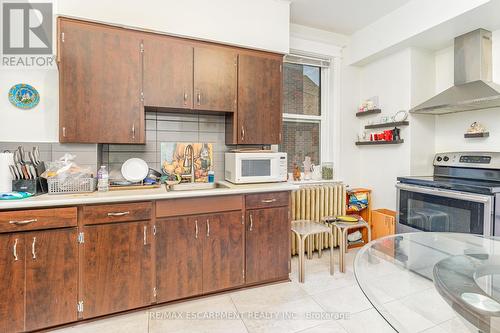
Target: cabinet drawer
column 193, row 206
column 37, row 219
column 136, row 211
column 263, row 200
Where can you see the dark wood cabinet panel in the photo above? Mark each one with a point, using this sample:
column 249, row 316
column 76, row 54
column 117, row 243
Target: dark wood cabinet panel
column 259, row 100
column 12, row 282
column 223, row 251
column 168, row 72
column 37, row 219
column 179, row 258
column 51, row 278
column 116, row 268
column 267, row 244
column 100, row 80
column 215, row 78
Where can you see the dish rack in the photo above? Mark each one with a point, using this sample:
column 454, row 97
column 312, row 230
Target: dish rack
column 80, row 185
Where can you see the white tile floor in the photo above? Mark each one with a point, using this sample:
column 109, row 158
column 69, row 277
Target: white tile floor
column 287, row 307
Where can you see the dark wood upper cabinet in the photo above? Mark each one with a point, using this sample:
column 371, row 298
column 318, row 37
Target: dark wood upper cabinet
column 100, row 80
column 267, row 244
column 259, row 116
column 179, row 258
column 51, row 278
column 215, row 78
column 116, row 268
column 168, row 72
column 12, row 282
column 223, row 251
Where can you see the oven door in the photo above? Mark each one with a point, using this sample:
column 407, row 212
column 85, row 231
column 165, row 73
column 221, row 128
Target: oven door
column 257, row 169
column 432, row 209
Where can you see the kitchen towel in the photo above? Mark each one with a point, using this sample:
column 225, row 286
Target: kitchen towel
column 6, row 159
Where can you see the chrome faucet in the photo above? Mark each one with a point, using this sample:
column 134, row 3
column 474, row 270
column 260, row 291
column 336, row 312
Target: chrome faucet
column 189, row 160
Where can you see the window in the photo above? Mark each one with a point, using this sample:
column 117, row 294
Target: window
column 303, row 118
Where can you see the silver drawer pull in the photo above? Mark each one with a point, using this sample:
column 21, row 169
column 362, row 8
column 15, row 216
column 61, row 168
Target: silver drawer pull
column 145, row 235
column 118, row 214
column 14, row 250
column 33, row 251
column 251, row 222
column 23, row 222
column 196, row 229
column 208, row 228
column 268, row 200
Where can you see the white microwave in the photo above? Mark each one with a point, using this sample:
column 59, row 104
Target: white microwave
column 257, row 167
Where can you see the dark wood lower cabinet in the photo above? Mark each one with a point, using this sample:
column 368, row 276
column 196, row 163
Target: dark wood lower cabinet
column 116, row 269
column 267, row 244
column 179, row 258
column 12, row 282
column 51, row 278
column 223, row 251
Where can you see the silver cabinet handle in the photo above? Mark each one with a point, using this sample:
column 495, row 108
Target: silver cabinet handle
column 145, row 235
column 64, row 131
column 198, row 97
column 23, row 222
column 185, row 98
column 33, row 251
column 208, row 228
column 242, row 133
column 196, row 229
column 133, row 131
column 251, row 222
column 14, row 250
column 118, row 214
column 268, row 200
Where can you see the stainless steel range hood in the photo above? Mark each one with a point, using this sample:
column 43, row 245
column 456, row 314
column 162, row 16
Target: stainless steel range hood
column 473, row 89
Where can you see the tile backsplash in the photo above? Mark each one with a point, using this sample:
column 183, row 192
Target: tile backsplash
column 171, row 127
column 160, row 127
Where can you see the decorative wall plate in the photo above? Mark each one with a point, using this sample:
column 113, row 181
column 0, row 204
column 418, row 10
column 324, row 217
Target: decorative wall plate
column 24, row 96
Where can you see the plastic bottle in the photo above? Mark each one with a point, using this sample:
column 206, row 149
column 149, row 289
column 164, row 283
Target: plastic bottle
column 102, row 179
column 211, row 176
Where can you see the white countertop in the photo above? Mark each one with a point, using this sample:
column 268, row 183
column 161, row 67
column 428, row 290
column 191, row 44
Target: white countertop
column 52, row 200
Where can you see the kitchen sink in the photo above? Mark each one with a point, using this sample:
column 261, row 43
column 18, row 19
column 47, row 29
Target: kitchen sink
column 196, row 186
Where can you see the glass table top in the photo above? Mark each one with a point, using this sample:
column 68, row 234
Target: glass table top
column 418, row 281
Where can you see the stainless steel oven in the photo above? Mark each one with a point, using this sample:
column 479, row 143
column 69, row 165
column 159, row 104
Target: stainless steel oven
column 422, row 208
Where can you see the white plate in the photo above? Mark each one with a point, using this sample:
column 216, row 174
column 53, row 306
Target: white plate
column 135, row 170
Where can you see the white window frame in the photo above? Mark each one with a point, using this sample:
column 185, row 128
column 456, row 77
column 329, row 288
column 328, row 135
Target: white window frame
column 329, row 119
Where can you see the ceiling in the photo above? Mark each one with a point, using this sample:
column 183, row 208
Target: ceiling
column 341, row 16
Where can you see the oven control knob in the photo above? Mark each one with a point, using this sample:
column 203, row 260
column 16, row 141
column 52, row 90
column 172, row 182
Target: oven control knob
column 446, row 158
column 439, row 159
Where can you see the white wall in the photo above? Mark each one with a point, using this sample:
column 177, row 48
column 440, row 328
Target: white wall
column 38, row 124
column 260, row 24
column 450, row 128
column 390, row 79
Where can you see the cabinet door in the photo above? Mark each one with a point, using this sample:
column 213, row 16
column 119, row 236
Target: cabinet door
column 100, row 84
column 179, row 258
column 168, row 72
column 223, row 251
column 116, row 268
column 51, row 278
column 12, row 281
column 215, row 72
column 259, row 99
column 267, row 244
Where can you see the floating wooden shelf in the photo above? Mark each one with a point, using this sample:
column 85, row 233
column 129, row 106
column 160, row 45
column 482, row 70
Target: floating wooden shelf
column 373, row 143
column 477, row 135
column 391, row 124
column 369, row 112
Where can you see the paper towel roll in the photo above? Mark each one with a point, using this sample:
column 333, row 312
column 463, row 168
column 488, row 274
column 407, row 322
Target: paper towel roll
column 6, row 159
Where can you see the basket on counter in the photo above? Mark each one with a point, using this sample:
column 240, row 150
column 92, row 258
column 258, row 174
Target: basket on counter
column 80, row 185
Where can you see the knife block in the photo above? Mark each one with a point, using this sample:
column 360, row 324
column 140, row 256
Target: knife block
column 36, row 186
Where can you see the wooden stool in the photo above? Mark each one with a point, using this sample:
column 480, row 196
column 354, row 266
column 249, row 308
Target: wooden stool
column 342, row 228
column 303, row 229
